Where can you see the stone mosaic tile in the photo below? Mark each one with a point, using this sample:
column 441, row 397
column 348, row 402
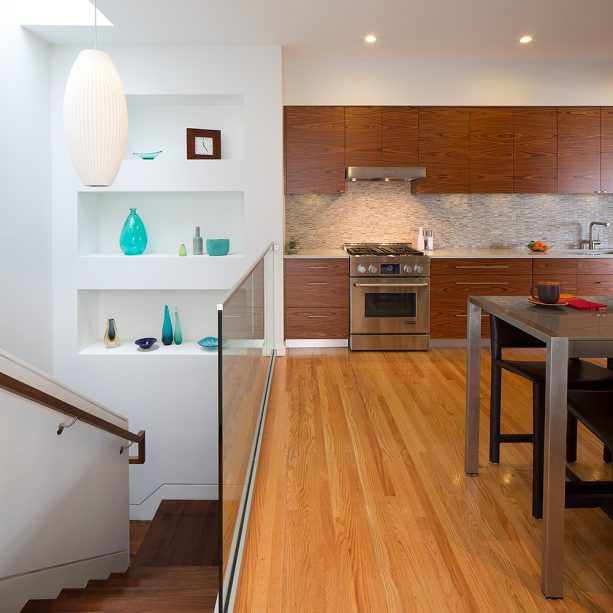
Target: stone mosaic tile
column 389, row 212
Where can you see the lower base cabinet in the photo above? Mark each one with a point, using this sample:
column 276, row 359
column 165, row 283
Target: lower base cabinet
column 316, row 298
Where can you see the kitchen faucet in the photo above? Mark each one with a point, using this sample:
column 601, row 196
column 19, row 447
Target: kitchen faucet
column 606, row 224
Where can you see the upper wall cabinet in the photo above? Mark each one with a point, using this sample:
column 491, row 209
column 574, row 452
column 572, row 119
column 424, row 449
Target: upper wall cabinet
column 578, row 149
column 491, row 149
column 444, row 150
column 535, row 149
column 314, row 149
column 380, row 136
column 606, row 148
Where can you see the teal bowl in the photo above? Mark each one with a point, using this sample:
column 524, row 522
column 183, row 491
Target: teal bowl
column 218, row 246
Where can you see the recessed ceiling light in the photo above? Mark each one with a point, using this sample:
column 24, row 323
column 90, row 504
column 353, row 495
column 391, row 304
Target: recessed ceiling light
column 370, row 38
column 524, row 40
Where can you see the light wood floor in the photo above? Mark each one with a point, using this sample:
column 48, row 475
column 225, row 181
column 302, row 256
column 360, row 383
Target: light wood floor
column 362, row 504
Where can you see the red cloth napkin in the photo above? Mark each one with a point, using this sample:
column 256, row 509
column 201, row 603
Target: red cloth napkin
column 585, row 305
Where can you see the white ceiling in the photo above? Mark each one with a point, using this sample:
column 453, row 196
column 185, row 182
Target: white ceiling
column 334, row 29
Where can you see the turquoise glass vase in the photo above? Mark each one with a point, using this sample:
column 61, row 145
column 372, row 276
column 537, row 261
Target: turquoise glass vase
column 178, row 329
column 133, row 237
column 167, row 327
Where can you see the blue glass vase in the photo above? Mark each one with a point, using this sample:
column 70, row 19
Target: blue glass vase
column 178, row 329
column 133, row 237
column 167, row 327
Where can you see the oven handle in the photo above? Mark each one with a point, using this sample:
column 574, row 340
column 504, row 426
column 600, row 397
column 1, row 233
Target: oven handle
column 425, row 284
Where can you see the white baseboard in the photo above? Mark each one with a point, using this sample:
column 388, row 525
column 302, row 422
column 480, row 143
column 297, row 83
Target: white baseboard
column 296, row 343
column 169, row 491
column 49, row 582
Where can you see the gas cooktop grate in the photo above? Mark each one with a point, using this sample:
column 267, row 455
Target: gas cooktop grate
column 382, row 249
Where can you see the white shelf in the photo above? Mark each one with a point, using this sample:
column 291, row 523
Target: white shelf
column 168, row 256
column 127, row 347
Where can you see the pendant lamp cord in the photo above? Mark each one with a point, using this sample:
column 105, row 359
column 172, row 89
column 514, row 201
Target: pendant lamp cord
column 95, row 26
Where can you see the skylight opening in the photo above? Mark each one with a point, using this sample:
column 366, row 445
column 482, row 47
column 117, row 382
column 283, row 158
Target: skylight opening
column 60, row 13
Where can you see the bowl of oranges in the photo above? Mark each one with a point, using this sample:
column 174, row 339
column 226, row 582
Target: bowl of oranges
column 537, row 246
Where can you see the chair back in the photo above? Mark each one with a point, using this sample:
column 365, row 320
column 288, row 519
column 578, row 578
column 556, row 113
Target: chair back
column 505, row 335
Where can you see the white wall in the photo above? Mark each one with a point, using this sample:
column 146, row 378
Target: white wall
column 172, row 394
column 64, row 498
column 25, row 193
column 448, row 82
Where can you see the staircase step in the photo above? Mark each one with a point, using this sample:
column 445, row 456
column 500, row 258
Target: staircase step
column 192, row 576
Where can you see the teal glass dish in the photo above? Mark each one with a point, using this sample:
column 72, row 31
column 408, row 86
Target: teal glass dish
column 167, row 327
column 210, row 342
column 133, row 237
column 151, row 155
column 218, row 246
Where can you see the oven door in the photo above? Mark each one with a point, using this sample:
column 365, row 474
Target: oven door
column 390, row 306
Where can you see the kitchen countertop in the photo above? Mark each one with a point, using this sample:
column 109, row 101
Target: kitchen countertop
column 466, row 252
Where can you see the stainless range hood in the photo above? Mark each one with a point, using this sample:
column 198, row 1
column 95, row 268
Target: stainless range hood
column 385, row 173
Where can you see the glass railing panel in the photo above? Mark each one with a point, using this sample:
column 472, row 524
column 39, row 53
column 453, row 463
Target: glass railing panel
column 245, row 362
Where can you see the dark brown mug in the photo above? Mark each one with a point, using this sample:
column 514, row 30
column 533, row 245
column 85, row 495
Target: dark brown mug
column 546, row 291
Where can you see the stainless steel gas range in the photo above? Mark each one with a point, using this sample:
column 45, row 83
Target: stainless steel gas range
column 390, row 297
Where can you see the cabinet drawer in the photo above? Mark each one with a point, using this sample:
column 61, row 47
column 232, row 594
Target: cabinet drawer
column 317, row 291
column 558, row 267
column 595, row 285
column 452, row 323
column 317, row 266
column 316, row 323
column 453, row 294
column 487, row 269
column 602, row 266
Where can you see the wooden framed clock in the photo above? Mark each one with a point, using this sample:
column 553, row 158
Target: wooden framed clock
column 203, row 144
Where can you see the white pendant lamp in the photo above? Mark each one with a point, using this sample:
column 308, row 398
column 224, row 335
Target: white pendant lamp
column 95, row 117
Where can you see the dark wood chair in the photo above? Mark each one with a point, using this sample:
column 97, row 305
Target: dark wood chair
column 581, row 375
column 595, row 410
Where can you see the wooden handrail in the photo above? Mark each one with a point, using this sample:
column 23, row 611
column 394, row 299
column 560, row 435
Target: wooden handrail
column 31, row 393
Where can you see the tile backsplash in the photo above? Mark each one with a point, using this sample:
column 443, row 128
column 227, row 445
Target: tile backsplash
column 389, row 212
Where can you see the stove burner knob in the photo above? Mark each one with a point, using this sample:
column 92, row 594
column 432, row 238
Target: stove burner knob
column 372, row 269
column 419, row 269
column 361, row 268
column 408, row 269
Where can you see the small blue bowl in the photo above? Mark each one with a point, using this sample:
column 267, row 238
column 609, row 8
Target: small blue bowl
column 146, row 343
column 151, row 155
column 218, row 246
column 210, row 342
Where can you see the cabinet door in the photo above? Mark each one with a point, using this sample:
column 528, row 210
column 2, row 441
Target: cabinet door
column 314, row 149
column 363, row 135
column 491, row 150
column 606, row 148
column 578, row 149
column 399, row 136
column 535, row 150
column 444, row 150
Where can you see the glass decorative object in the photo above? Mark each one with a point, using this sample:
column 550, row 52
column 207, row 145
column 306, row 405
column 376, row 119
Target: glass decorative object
column 133, row 238
column 197, row 245
column 111, row 338
column 167, row 327
column 178, row 329
column 182, row 250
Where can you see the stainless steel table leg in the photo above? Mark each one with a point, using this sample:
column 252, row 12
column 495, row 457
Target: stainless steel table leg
column 473, row 379
column 555, row 462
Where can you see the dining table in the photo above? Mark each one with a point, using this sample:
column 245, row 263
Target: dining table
column 566, row 333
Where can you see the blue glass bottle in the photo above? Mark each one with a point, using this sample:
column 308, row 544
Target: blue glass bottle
column 167, row 327
column 178, row 329
column 133, row 238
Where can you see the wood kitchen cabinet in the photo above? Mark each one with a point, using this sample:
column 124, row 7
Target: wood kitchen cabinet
column 491, row 149
column 314, row 149
column 562, row 271
column 578, row 149
column 606, row 148
column 317, row 298
column 444, row 149
column 381, row 136
column 595, row 277
column 535, row 149
column 453, row 280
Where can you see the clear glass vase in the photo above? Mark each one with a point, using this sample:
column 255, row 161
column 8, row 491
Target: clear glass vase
column 133, row 237
column 178, row 329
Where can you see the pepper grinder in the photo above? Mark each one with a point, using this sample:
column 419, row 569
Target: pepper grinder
column 197, row 249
